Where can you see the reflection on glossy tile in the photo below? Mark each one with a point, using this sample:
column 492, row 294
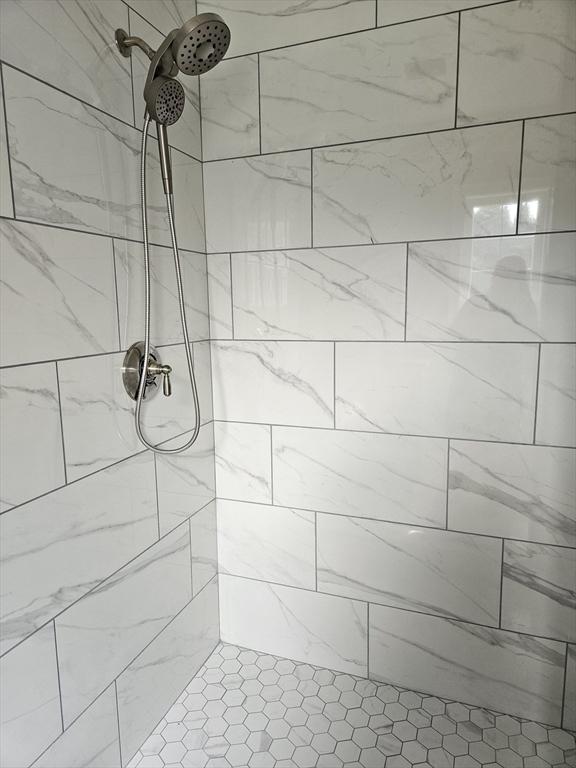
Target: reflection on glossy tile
column 548, row 195
column 31, row 457
column 384, row 82
column 204, row 547
column 269, row 543
column 230, row 109
column 489, row 667
column 448, row 574
column 58, row 290
column 96, row 526
column 309, row 626
column 513, row 491
column 446, row 184
column 397, row 478
column 258, row 203
column 119, row 618
column 497, row 289
column 393, row 11
column 92, row 741
column 243, row 463
column 482, row 391
column 556, row 416
column 6, row 208
column 569, row 720
column 538, row 590
column 334, row 293
column 274, row 382
column 71, row 46
column 505, row 47
column 30, row 712
column 258, row 26
column 220, row 296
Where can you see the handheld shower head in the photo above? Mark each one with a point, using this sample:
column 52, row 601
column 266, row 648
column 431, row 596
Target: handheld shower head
column 165, row 100
column 200, row 44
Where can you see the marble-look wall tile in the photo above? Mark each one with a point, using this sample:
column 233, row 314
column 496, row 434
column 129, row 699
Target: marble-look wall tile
column 495, row 289
column 30, row 716
column 539, row 590
column 165, row 327
column 481, row 391
column 58, row 292
column 257, row 26
column 269, row 543
column 71, row 46
column 258, row 202
column 202, row 359
column 6, row 208
column 274, row 382
column 446, row 184
column 204, row 547
column 99, row 635
column 157, row 676
column 394, row 11
column 556, row 415
column 57, row 548
column 569, row 719
column 231, row 109
column 220, row 296
column 505, row 47
column 383, row 82
column 91, row 741
column 513, row 491
column 397, row 478
column 185, row 134
column 548, row 191
column 243, row 461
column 505, row 671
column 334, row 293
column 185, row 480
column 449, row 574
column 165, row 15
column 306, row 626
column 31, row 458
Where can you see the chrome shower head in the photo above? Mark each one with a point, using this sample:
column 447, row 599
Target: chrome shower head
column 165, row 100
column 200, row 44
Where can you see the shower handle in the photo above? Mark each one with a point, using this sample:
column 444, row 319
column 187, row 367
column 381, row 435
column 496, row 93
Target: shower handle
column 155, row 369
column 133, row 367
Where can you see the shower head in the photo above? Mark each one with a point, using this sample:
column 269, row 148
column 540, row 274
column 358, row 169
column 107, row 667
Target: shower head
column 165, row 100
column 200, row 44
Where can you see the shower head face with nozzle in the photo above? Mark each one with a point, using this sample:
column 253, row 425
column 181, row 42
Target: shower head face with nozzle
column 200, row 44
column 165, row 100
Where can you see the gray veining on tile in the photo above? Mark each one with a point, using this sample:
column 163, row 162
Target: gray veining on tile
column 556, row 416
column 165, row 15
column 6, row 208
column 220, row 295
column 203, row 546
column 243, row 463
column 569, row 720
column 394, row 11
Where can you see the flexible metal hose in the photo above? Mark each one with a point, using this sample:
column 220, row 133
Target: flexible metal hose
column 144, row 373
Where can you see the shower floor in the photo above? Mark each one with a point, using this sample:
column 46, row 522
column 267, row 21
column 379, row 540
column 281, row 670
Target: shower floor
column 259, row 711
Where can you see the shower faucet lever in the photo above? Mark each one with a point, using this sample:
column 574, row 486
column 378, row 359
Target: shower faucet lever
column 155, row 369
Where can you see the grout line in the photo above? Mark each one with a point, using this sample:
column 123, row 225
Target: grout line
column 118, row 720
column 334, row 385
column 311, row 198
column 116, row 294
column 447, row 480
column 536, row 394
column 457, row 71
column 191, row 554
column 368, row 640
column 501, row 585
column 259, row 105
column 129, row 7
column 316, row 551
column 231, row 295
column 65, row 467
column 406, row 291
column 375, row 14
column 131, row 73
column 518, row 203
column 271, row 467
column 8, row 153
column 563, row 706
column 154, row 459
column 58, row 675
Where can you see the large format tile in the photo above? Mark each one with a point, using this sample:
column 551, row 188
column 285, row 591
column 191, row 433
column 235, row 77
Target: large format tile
column 394, row 11
column 103, row 632
column 220, row 295
column 6, row 208
column 449, row 574
column 257, row 26
column 57, row 548
column 231, row 109
column 482, row 391
column 156, row 677
column 71, row 46
column 548, row 191
column 268, row 543
column 569, row 719
column 334, row 293
column 493, row 289
column 30, row 716
column 243, row 461
column 165, row 15
column 556, row 415
column 513, row 673
column 306, row 626
column 439, row 185
column 57, row 293
column 258, row 202
column 203, row 546
column 293, row 382
column 513, row 491
column 383, row 82
column 31, row 458
column 397, row 478
column 165, row 327
column 538, row 590
column 91, row 741
column 505, row 47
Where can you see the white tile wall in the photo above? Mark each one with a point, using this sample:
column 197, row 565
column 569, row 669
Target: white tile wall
column 556, row 418
column 569, row 705
column 243, row 461
column 219, row 296
column 6, row 208
column 203, row 547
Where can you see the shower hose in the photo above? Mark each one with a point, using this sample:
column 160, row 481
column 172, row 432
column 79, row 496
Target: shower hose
column 144, row 372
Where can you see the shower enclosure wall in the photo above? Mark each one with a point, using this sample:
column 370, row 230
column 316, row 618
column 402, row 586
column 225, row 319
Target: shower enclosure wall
column 383, row 334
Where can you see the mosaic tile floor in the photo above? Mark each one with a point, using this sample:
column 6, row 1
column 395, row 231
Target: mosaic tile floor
column 259, row 711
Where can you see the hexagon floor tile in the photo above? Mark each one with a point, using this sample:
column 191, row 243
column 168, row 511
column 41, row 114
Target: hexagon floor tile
column 253, row 710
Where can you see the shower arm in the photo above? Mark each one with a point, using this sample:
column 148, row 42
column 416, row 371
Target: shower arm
column 125, row 42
